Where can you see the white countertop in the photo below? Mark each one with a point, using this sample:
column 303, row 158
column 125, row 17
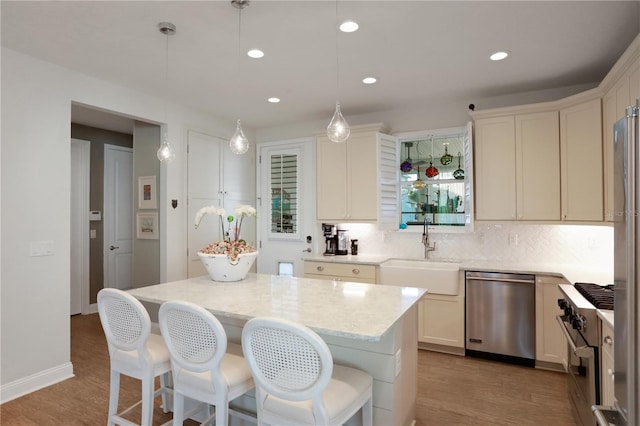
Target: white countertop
column 344, row 309
column 606, row 316
column 572, row 272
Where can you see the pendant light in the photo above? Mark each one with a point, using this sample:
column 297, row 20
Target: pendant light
column 165, row 152
column 338, row 130
column 239, row 143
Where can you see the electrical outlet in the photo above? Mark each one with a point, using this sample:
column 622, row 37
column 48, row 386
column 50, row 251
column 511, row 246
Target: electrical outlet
column 398, row 362
column 513, row 239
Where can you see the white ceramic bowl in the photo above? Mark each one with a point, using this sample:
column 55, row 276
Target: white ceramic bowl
column 221, row 268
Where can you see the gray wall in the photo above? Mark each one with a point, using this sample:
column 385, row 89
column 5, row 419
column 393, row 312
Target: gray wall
column 146, row 253
column 98, row 138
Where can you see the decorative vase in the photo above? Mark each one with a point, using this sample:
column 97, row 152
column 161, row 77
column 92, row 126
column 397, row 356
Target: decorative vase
column 221, row 268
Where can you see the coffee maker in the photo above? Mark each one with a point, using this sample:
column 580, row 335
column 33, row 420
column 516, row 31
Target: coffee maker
column 336, row 240
column 330, row 238
column 343, row 242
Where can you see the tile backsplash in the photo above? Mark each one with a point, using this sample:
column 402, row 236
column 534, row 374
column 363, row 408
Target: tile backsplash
column 513, row 243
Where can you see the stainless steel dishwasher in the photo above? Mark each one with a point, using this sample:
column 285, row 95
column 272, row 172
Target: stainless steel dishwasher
column 500, row 316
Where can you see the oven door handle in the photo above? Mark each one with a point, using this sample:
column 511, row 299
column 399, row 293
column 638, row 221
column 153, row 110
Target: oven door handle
column 582, row 351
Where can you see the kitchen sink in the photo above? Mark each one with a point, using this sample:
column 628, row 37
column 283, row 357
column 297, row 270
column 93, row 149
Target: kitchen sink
column 436, row 277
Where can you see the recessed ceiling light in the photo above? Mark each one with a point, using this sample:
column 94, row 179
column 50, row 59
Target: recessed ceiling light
column 274, row 100
column 255, row 53
column 348, row 26
column 369, row 80
column 498, row 56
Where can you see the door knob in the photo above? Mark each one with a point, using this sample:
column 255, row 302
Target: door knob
column 308, row 250
column 112, row 248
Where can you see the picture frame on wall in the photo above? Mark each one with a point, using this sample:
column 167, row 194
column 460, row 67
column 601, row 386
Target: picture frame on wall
column 147, row 198
column 147, row 226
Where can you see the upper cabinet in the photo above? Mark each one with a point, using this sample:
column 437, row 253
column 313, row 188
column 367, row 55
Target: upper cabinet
column 436, row 177
column 581, row 153
column 518, row 167
column 357, row 180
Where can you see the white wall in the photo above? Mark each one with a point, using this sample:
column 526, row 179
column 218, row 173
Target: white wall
column 35, row 171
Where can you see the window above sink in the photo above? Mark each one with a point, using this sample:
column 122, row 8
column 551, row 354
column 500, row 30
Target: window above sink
column 436, row 179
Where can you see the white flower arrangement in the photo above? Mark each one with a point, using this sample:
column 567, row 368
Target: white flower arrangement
column 226, row 246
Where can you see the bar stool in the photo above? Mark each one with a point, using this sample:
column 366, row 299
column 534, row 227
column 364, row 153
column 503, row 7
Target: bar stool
column 205, row 367
column 134, row 352
column 297, row 382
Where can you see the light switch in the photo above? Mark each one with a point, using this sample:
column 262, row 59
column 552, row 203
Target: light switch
column 92, row 233
column 41, row 248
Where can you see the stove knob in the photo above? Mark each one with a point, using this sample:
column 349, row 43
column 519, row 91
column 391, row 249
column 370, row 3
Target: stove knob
column 562, row 303
column 576, row 324
column 568, row 310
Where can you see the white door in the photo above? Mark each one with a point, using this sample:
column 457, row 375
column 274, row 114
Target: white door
column 204, row 188
column 118, row 217
column 286, row 209
column 80, row 166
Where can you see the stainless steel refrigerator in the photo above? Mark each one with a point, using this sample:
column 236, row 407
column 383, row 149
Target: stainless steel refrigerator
column 626, row 260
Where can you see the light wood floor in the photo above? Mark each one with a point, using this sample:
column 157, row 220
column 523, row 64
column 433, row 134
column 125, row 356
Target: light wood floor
column 452, row 390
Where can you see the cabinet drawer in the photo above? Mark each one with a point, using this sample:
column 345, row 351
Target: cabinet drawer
column 345, row 271
column 607, row 339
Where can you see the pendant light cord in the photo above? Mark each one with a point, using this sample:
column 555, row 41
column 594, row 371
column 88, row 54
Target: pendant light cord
column 166, row 82
column 337, row 61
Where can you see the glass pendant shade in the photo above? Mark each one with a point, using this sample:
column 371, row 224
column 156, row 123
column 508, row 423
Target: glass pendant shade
column 165, row 152
column 338, row 130
column 239, row 143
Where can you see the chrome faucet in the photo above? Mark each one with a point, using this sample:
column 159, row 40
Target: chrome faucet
column 425, row 238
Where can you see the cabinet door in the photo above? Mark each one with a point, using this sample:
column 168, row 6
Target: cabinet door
column 441, row 320
column 581, row 162
column 362, row 184
column 538, row 166
column 331, row 184
column 495, row 169
column 551, row 345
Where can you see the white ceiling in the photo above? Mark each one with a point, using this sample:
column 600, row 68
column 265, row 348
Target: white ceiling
column 422, row 52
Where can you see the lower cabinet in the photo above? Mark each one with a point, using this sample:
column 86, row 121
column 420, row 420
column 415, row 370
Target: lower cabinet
column 551, row 345
column 354, row 272
column 441, row 322
column 607, row 379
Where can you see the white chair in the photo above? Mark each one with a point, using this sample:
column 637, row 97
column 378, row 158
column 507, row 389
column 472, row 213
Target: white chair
column 133, row 351
column 297, row 382
column 205, row 367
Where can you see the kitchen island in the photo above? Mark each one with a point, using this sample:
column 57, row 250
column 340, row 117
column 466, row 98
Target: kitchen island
column 367, row 326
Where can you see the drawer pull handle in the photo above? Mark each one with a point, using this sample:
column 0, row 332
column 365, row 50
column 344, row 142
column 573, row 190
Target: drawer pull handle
column 355, row 271
column 320, row 268
column 608, row 340
column 611, row 373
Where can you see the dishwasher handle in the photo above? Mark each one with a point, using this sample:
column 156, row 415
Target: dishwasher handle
column 502, row 280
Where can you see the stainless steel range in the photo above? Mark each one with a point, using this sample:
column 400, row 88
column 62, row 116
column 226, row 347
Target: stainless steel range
column 580, row 326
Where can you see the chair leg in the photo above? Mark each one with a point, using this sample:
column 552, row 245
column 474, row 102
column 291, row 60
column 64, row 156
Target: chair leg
column 178, row 408
column 164, row 379
column 147, row 400
column 114, row 393
column 222, row 412
column 367, row 412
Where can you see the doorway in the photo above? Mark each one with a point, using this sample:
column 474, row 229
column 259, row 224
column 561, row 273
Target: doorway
column 287, row 233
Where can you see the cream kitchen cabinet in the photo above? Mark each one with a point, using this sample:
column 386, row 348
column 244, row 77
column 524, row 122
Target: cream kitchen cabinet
column 441, row 322
column 518, row 167
column 358, row 180
column 622, row 94
column 581, row 162
column 607, row 376
column 354, row 272
column 551, row 345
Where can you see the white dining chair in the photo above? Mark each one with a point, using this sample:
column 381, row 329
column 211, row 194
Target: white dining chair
column 297, row 382
column 205, row 366
column 133, row 351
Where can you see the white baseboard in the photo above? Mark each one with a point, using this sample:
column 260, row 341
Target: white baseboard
column 91, row 309
column 35, row 382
